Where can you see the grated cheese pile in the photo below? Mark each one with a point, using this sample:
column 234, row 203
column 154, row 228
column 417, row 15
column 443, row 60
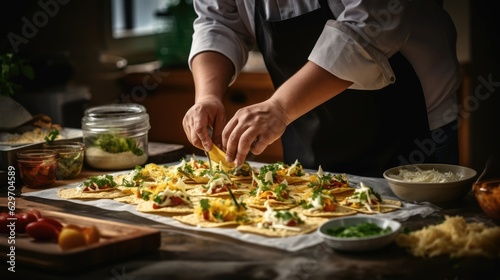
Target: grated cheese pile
column 426, row 176
column 454, row 237
column 36, row 135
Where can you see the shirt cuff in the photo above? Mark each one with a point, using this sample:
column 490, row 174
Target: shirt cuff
column 237, row 54
column 345, row 54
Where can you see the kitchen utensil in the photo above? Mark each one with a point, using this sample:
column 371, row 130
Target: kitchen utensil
column 39, row 120
column 13, row 113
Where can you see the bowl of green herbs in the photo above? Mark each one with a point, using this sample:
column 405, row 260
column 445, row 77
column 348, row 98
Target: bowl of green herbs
column 359, row 233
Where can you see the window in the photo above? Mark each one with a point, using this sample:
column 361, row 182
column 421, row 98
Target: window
column 132, row 18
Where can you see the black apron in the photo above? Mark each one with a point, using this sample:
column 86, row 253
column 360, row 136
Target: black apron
column 357, row 132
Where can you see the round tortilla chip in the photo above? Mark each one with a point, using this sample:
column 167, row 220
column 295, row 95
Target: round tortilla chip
column 129, row 199
column 200, row 192
column 392, row 205
column 192, row 219
column 310, row 225
column 147, row 207
column 340, row 211
column 71, row 193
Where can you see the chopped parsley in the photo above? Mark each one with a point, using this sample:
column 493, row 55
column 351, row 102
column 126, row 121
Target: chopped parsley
column 100, row 181
column 364, row 229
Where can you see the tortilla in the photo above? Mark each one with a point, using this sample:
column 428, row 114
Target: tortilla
column 340, row 211
column 383, row 209
column 193, row 220
column 310, row 224
column 71, row 193
column 129, row 199
column 147, row 207
column 219, row 157
column 200, row 192
column 217, row 206
column 259, row 203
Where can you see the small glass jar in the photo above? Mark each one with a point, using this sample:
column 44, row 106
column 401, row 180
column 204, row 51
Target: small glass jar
column 38, row 167
column 71, row 155
column 116, row 136
column 487, row 194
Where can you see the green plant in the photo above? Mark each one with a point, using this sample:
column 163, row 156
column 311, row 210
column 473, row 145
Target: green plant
column 13, row 68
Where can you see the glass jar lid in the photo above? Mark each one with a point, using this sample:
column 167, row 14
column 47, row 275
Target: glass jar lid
column 126, row 117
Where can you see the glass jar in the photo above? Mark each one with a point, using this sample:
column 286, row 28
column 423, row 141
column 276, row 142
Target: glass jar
column 116, row 136
column 38, row 167
column 487, row 187
column 71, row 155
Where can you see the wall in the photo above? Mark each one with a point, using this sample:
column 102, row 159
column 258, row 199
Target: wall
column 79, row 32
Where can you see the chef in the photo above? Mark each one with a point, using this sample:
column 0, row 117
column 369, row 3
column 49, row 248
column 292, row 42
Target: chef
column 360, row 86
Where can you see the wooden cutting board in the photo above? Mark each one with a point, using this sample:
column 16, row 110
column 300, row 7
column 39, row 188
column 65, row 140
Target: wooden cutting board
column 118, row 240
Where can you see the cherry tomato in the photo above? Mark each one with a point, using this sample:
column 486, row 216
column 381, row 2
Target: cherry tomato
column 43, row 231
column 51, row 221
column 35, row 212
column 23, row 219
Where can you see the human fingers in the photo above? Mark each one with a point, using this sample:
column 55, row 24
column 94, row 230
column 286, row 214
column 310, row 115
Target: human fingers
column 252, row 128
column 191, row 123
column 201, row 116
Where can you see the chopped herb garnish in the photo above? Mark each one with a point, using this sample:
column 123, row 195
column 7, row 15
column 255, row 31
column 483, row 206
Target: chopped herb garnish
column 364, row 229
column 51, row 136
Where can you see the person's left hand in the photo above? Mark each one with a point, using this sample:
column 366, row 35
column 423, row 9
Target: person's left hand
column 252, row 129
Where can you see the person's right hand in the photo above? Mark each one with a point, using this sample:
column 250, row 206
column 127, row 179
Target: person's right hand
column 204, row 114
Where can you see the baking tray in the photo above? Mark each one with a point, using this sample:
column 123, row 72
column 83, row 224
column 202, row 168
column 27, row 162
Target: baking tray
column 8, row 151
column 118, row 240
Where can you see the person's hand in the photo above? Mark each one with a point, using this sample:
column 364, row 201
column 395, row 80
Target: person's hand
column 205, row 113
column 252, row 129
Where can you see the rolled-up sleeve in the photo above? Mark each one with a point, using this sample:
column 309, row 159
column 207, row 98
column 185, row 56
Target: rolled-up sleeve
column 221, row 27
column 356, row 46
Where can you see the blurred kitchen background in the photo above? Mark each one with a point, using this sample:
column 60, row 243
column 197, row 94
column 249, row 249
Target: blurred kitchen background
column 93, row 52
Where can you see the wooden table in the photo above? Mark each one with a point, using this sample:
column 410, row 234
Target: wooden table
column 196, row 255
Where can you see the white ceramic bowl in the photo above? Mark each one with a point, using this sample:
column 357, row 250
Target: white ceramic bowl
column 356, row 244
column 437, row 193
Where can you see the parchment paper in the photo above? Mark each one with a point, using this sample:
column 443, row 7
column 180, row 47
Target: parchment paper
column 291, row 244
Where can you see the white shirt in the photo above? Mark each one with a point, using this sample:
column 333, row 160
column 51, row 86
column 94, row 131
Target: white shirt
column 355, row 46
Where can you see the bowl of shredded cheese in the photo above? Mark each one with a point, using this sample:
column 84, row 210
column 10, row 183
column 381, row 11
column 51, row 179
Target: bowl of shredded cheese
column 429, row 182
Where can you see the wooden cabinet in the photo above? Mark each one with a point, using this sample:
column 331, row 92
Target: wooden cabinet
column 167, row 95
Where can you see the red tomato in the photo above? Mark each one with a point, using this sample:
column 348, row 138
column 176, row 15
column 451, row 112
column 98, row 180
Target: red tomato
column 51, row 221
column 329, row 208
column 43, row 231
column 206, row 215
column 35, row 212
column 23, row 219
column 176, row 201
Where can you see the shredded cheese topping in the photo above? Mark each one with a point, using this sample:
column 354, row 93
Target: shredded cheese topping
column 426, row 176
column 271, row 219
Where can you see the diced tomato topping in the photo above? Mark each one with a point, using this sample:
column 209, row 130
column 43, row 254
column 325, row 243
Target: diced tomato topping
column 206, row 215
column 174, row 201
column 329, row 207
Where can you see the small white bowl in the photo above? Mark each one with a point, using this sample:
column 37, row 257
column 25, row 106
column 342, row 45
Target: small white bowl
column 356, row 244
column 437, row 193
